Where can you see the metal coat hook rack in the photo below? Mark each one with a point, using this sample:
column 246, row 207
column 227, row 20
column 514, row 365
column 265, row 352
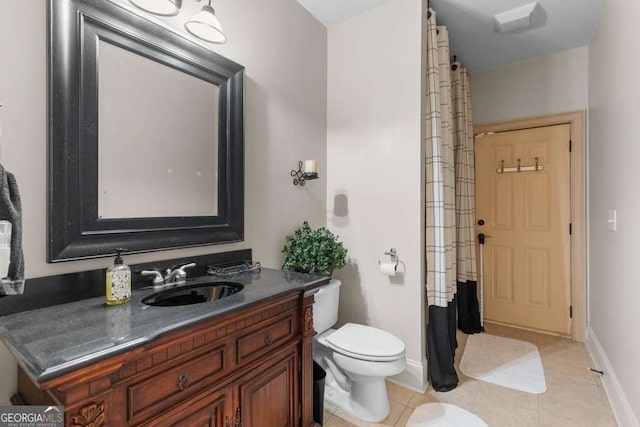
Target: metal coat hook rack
column 519, row 168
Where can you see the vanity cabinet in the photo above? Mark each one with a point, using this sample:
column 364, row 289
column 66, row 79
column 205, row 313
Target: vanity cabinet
column 263, row 397
column 249, row 368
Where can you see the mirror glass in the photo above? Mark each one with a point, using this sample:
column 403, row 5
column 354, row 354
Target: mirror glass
column 157, row 138
column 146, row 136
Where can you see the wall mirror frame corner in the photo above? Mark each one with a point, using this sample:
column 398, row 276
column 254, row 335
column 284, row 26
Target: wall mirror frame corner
column 76, row 229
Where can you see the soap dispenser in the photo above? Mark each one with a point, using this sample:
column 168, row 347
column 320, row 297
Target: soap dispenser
column 118, row 282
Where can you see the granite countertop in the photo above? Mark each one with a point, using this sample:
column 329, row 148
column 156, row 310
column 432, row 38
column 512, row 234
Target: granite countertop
column 52, row 341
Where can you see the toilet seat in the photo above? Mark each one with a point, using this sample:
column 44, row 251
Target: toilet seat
column 365, row 343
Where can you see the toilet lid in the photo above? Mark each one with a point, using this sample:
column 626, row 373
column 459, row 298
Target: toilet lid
column 365, row 342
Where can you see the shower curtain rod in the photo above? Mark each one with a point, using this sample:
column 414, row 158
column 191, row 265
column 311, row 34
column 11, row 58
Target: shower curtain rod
column 455, row 58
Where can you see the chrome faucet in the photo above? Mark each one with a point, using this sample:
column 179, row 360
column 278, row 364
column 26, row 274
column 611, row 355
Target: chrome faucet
column 157, row 277
column 179, row 275
column 172, row 277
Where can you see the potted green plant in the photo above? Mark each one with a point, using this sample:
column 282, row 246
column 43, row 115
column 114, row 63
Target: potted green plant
column 313, row 251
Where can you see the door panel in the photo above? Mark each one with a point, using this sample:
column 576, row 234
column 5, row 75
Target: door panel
column 502, row 205
column 501, row 266
column 536, row 203
column 212, row 410
column 537, row 277
column 268, row 395
column 527, row 215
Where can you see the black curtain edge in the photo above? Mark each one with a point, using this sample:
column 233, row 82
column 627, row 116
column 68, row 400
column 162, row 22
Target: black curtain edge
column 468, row 308
column 441, row 347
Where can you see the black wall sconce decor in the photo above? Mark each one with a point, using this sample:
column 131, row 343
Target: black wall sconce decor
column 307, row 170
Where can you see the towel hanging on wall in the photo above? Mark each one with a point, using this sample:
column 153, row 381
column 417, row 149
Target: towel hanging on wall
column 11, row 210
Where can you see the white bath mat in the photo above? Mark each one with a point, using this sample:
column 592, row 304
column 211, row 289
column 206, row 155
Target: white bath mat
column 504, row 361
column 443, row 415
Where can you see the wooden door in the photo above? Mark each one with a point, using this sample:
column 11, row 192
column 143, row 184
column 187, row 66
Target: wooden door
column 268, row 396
column 211, row 410
column 527, row 216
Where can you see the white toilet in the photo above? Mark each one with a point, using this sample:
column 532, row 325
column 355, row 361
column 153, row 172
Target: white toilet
column 357, row 359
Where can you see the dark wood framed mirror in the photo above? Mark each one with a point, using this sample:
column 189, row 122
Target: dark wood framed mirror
column 146, row 136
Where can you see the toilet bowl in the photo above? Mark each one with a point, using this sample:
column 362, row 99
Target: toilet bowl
column 357, row 359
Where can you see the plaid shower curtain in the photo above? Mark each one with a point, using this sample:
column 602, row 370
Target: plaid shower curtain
column 450, row 206
column 467, row 297
column 440, row 171
column 465, row 176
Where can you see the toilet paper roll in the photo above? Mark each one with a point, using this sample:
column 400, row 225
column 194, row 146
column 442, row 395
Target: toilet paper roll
column 388, row 268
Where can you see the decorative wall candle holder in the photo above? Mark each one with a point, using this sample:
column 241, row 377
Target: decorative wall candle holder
column 307, row 170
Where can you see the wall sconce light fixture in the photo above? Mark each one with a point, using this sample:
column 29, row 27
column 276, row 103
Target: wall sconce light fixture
column 306, row 170
column 204, row 24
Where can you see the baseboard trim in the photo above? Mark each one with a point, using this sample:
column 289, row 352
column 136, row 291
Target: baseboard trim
column 619, row 402
column 414, row 377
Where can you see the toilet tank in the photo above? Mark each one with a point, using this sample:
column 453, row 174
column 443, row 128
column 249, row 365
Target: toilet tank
column 325, row 307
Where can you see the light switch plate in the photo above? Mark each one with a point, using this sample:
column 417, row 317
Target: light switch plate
column 612, row 222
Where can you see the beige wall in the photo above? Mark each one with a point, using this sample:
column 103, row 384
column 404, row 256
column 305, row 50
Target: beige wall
column 284, row 50
column 614, row 111
column 374, row 157
column 550, row 84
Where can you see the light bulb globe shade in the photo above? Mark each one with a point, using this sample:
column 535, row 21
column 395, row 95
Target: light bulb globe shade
column 159, row 7
column 205, row 26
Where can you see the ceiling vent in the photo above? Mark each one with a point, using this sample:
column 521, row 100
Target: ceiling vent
column 518, row 18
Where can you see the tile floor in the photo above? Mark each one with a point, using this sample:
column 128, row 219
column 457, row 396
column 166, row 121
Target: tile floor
column 574, row 397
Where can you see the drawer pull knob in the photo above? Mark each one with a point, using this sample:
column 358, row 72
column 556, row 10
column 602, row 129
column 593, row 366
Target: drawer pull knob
column 268, row 340
column 183, row 381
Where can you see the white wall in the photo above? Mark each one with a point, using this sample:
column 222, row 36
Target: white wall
column 550, row 84
column 614, row 148
column 374, row 157
column 284, row 50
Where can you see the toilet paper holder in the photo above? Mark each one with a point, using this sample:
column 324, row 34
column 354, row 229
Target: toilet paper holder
column 394, row 256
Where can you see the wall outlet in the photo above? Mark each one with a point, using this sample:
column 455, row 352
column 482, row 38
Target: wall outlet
column 612, row 222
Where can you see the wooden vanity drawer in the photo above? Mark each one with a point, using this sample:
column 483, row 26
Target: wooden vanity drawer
column 267, row 337
column 175, row 384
